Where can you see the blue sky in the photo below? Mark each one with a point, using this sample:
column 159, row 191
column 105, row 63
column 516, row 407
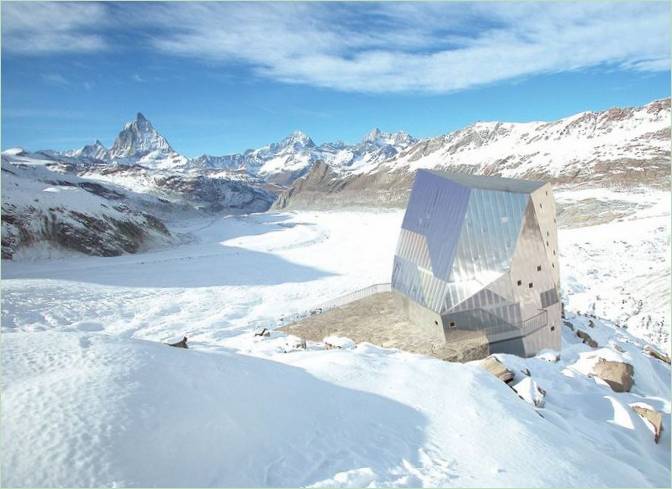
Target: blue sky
column 219, row 78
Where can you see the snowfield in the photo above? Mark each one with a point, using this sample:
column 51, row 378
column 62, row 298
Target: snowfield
column 92, row 398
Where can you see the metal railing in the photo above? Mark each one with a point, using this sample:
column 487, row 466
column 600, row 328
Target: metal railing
column 523, row 328
column 339, row 301
column 495, row 333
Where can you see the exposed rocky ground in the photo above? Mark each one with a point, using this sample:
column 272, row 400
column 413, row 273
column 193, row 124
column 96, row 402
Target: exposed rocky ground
column 63, row 211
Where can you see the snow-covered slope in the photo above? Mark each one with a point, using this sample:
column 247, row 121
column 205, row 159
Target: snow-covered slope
column 42, row 208
column 617, row 148
column 91, row 399
column 587, row 146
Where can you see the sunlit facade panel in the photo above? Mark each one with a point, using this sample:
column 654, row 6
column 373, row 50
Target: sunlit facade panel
column 481, row 254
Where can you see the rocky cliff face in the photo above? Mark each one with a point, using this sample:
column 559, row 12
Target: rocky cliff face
column 67, row 212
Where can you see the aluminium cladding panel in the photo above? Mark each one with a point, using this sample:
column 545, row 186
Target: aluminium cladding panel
column 436, row 210
column 544, row 207
column 492, row 223
column 530, row 269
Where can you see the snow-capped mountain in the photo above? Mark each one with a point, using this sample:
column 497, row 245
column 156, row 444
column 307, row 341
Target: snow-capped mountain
column 139, row 143
column 285, row 161
column 613, row 148
column 96, row 151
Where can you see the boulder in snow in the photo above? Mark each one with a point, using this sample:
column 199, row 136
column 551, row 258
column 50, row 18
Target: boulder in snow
column 180, row 344
column 338, row 342
column 529, row 391
column 651, row 351
column 548, row 355
column 617, row 374
column 294, row 343
column 497, row 368
column 652, row 417
column 586, row 339
column 262, row 332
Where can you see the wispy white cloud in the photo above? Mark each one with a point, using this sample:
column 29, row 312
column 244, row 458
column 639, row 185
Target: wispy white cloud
column 55, row 79
column 363, row 47
column 435, row 47
column 38, row 28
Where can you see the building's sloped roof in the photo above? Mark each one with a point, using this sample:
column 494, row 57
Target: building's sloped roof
column 490, row 183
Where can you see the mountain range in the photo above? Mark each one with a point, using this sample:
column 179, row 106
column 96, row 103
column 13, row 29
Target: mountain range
column 616, row 148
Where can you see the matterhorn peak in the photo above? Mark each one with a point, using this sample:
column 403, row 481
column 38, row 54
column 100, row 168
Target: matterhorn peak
column 139, row 138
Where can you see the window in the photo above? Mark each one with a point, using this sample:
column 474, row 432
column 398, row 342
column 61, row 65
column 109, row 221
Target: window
column 520, row 282
column 552, row 328
column 452, row 324
column 546, row 243
column 540, row 206
column 538, row 268
column 548, row 233
column 553, row 265
column 436, row 323
column 530, row 285
column 554, row 252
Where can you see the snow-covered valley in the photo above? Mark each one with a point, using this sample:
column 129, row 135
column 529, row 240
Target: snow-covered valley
column 92, row 398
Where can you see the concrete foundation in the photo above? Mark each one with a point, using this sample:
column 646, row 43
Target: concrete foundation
column 382, row 319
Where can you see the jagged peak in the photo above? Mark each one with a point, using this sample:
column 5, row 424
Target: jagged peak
column 373, row 135
column 299, row 137
column 140, row 117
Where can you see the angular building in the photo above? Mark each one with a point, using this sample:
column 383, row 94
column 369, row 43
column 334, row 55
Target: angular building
column 480, row 253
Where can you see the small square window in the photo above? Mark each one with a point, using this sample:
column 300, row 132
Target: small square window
column 520, row 282
column 552, row 328
column 452, row 324
column 538, row 268
column 530, row 285
column 553, row 265
column 436, row 322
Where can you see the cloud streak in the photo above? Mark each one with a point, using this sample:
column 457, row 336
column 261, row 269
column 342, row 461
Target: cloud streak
column 374, row 47
column 40, row 28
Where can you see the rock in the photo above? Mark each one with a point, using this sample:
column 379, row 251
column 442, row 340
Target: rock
column 586, row 339
column 294, row 343
column 526, row 371
column 618, row 348
column 591, row 323
column 653, row 417
column 568, row 324
column 180, row 344
column 331, row 342
column 262, row 332
column 529, row 391
column 617, row 374
column 497, row 368
column 548, row 355
column 656, row 354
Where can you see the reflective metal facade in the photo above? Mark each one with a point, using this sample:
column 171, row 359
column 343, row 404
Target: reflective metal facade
column 480, row 253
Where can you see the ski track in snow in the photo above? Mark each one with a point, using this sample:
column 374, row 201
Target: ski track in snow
column 91, row 399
